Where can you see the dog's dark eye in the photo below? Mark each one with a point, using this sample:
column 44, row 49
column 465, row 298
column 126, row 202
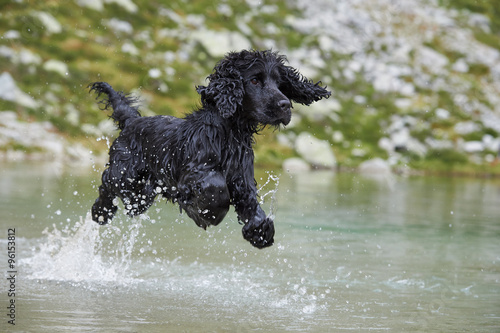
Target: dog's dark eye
column 254, row 81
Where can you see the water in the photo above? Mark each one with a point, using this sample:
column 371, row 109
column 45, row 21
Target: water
column 351, row 253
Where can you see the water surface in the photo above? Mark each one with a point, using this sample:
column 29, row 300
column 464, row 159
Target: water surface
column 351, row 253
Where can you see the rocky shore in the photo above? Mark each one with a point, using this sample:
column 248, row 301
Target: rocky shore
column 414, row 83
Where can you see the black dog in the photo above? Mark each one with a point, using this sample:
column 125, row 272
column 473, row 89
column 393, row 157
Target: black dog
column 204, row 162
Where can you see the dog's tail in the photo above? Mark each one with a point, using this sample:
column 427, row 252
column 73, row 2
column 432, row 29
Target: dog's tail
column 123, row 109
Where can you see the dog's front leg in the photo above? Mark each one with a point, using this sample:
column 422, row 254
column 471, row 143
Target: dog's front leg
column 258, row 228
column 207, row 197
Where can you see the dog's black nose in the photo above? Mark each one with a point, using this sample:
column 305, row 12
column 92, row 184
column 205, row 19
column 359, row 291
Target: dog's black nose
column 284, row 104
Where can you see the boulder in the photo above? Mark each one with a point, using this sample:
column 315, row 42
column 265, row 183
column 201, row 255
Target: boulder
column 10, row 92
column 375, row 166
column 314, row 151
column 218, row 43
column 56, row 66
column 295, row 164
column 49, row 22
column 473, row 146
column 128, row 5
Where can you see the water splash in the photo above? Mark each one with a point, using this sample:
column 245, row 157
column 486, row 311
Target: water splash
column 82, row 253
column 95, row 257
column 271, row 179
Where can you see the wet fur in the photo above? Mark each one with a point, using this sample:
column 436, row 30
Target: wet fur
column 203, row 162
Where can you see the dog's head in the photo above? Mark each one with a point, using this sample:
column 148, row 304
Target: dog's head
column 261, row 85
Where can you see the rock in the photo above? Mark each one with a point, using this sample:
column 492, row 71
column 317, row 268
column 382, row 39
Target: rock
column 401, row 137
column 29, row 134
column 431, row 60
column 23, row 56
column 7, row 52
column 491, row 143
column 295, row 164
column 49, row 22
column 39, row 139
column 316, row 152
column 12, row 34
column 10, row 92
column 56, row 66
column 466, row 127
column 128, row 5
column 92, row 4
column 460, row 66
column 154, row 73
column 442, row 113
column 26, row 57
column 439, row 144
column 320, row 111
column 72, row 114
column 130, row 48
column 416, row 147
column 286, row 140
column 358, row 152
column 480, row 21
column 492, row 119
column 218, row 43
column 403, row 103
column 119, row 26
column 473, row 147
column 78, row 153
column 337, row 137
column 375, row 166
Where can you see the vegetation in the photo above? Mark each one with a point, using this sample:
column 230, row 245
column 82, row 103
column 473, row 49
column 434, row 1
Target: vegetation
column 151, row 51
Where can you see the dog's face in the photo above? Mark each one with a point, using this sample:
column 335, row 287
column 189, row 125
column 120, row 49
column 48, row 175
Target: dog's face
column 263, row 100
column 259, row 87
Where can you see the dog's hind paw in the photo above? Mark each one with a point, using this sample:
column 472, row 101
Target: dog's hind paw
column 102, row 215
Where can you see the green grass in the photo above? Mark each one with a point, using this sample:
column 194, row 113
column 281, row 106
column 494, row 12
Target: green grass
column 92, row 52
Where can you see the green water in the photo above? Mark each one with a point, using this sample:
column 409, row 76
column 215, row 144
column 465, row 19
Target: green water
column 351, row 253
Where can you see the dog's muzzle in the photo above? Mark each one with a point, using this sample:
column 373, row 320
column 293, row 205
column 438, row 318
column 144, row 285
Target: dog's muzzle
column 286, row 113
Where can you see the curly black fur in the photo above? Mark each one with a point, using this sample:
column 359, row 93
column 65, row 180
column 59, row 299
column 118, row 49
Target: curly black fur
column 204, row 161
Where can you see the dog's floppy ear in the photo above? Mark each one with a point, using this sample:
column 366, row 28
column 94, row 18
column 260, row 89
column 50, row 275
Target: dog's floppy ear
column 300, row 89
column 225, row 89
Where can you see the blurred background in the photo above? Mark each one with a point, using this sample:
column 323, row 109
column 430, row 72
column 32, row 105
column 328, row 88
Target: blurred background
column 415, row 89
column 416, row 84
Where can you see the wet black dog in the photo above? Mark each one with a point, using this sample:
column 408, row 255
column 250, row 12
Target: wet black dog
column 204, row 162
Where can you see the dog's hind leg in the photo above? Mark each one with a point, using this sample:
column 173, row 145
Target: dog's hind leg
column 104, row 207
column 140, row 195
column 137, row 190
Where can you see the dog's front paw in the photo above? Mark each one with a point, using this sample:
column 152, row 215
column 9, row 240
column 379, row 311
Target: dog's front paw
column 261, row 234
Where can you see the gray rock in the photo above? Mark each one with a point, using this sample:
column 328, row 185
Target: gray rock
column 120, row 26
column 56, row 66
column 92, row 4
column 128, row 5
column 42, row 136
column 375, row 166
column 473, row 146
column 466, row 127
column 49, row 22
column 460, row 66
column 295, row 164
column 316, row 152
column 10, row 92
column 431, row 60
column 218, row 43
column 491, row 143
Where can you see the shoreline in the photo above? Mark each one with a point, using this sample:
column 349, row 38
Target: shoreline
column 98, row 160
